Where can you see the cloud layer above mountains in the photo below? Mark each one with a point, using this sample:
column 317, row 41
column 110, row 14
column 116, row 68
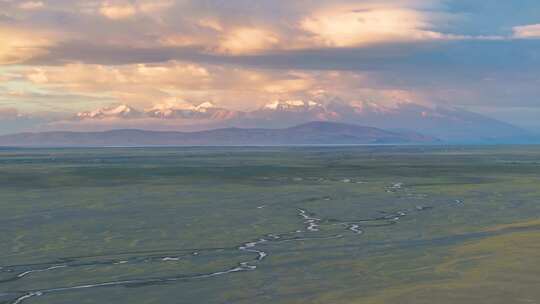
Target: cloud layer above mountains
column 60, row 57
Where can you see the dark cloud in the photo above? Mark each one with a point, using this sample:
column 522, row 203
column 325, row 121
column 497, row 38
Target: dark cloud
column 487, row 54
column 463, row 58
column 90, row 53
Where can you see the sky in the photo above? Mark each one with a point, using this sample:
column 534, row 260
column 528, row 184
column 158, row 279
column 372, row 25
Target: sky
column 60, row 57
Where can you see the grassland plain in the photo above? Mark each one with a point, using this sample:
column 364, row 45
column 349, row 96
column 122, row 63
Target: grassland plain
column 270, row 225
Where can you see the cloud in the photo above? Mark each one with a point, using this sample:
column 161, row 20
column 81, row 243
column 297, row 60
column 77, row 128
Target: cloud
column 345, row 28
column 164, row 28
column 143, row 85
column 248, row 41
column 239, row 28
column 527, row 31
column 211, row 24
column 31, row 5
column 118, row 10
column 9, row 113
column 139, row 84
column 19, row 45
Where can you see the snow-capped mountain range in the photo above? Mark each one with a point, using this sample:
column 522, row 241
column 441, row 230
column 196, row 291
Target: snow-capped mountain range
column 168, row 110
column 120, row 111
column 186, row 110
column 292, row 105
column 446, row 123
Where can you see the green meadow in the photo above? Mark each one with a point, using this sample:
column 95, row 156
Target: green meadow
column 291, row 225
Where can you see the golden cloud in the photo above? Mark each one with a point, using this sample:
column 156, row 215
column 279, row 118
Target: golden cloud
column 143, row 85
column 179, row 40
column 527, row 31
column 31, row 5
column 92, row 77
column 346, row 27
column 118, row 10
column 326, row 27
column 210, row 23
column 248, row 40
column 18, row 45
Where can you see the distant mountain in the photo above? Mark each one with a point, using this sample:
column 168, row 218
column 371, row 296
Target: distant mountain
column 452, row 125
column 446, row 123
column 310, row 133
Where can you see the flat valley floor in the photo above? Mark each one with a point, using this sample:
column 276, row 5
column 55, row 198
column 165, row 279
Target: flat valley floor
column 355, row 225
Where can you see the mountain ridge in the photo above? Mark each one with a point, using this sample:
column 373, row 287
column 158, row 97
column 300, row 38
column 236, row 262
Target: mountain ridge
column 312, row 133
column 450, row 124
